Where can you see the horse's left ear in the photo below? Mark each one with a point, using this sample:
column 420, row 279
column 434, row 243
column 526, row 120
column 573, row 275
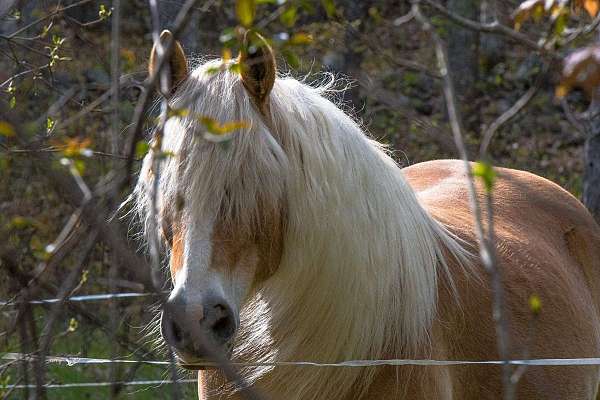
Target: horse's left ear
column 258, row 67
column 178, row 68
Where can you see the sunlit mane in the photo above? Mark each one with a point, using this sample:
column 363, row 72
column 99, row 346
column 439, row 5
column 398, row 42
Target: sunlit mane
column 362, row 259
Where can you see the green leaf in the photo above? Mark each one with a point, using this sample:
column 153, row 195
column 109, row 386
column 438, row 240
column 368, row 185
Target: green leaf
column 561, row 23
column 11, row 89
column 49, row 124
column 291, row 58
column 329, row 7
column 73, row 325
column 79, row 166
column 213, row 126
column 12, row 102
column 300, row 38
column 84, row 277
column 103, row 12
column 45, row 31
column 6, row 129
column 141, row 148
column 213, row 70
column 236, row 68
column 245, row 10
column 20, row 222
column 289, row 16
column 57, row 40
column 535, row 304
column 177, row 112
column 486, row 172
column 217, row 132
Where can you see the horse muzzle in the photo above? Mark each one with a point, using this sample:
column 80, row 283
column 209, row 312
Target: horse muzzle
column 201, row 333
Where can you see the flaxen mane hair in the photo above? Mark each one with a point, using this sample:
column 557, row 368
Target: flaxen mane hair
column 362, row 259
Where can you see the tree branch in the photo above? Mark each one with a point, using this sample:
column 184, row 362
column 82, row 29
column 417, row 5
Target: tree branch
column 494, row 27
column 487, row 250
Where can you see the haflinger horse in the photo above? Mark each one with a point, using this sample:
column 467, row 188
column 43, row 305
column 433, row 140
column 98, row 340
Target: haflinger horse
column 302, row 240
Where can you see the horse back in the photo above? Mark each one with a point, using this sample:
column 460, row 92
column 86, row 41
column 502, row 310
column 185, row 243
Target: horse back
column 547, row 246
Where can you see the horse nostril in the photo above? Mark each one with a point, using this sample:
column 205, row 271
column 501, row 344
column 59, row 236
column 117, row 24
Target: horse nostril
column 224, row 325
column 176, row 332
column 172, row 331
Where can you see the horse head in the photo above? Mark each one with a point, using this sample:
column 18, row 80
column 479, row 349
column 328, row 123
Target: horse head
column 220, row 210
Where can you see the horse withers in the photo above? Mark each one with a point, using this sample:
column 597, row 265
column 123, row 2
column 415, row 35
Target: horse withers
column 302, row 240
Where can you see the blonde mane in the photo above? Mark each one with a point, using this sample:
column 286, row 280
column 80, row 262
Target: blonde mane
column 362, row 259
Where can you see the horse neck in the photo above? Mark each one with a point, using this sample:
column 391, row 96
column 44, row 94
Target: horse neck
column 358, row 278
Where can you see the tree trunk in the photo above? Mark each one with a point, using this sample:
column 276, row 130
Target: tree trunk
column 6, row 6
column 463, row 48
column 591, row 174
column 492, row 48
column 351, row 58
column 591, row 157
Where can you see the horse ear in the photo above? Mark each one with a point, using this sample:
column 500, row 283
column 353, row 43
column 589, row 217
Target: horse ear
column 178, row 67
column 258, row 68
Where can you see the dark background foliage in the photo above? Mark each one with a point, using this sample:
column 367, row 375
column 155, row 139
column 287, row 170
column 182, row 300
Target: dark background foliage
column 57, row 125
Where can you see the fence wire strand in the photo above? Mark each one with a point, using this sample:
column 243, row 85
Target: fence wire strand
column 72, row 361
column 540, row 362
column 83, row 298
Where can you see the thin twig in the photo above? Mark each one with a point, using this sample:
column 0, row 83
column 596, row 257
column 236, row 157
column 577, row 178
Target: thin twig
column 144, row 101
column 486, row 244
column 9, row 80
column 509, row 114
column 408, row 64
column 59, row 150
column 115, row 70
column 47, row 16
column 493, row 27
column 583, row 31
column 579, row 125
column 154, row 240
column 65, row 290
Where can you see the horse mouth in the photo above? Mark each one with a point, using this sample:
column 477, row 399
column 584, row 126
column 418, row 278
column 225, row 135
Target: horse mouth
column 198, row 365
column 195, row 363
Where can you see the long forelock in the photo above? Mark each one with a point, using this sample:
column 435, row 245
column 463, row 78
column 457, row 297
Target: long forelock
column 236, row 181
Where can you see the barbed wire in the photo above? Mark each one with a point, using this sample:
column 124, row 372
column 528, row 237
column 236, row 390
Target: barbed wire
column 101, row 384
column 71, row 361
column 83, row 298
column 540, row 362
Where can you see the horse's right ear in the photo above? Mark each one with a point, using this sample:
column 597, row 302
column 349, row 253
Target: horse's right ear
column 178, row 67
column 258, row 67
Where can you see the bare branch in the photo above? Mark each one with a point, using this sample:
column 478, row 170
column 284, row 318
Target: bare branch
column 491, row 27
column 486, row 243
column 136, row 125
column 509, row 114
column 46, row 17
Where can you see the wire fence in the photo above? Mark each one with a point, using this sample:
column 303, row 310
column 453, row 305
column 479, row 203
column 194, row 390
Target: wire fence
column 13, row 358
column 540, row 362
column 82, row 298
column 72, row 361
column 102, row 384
